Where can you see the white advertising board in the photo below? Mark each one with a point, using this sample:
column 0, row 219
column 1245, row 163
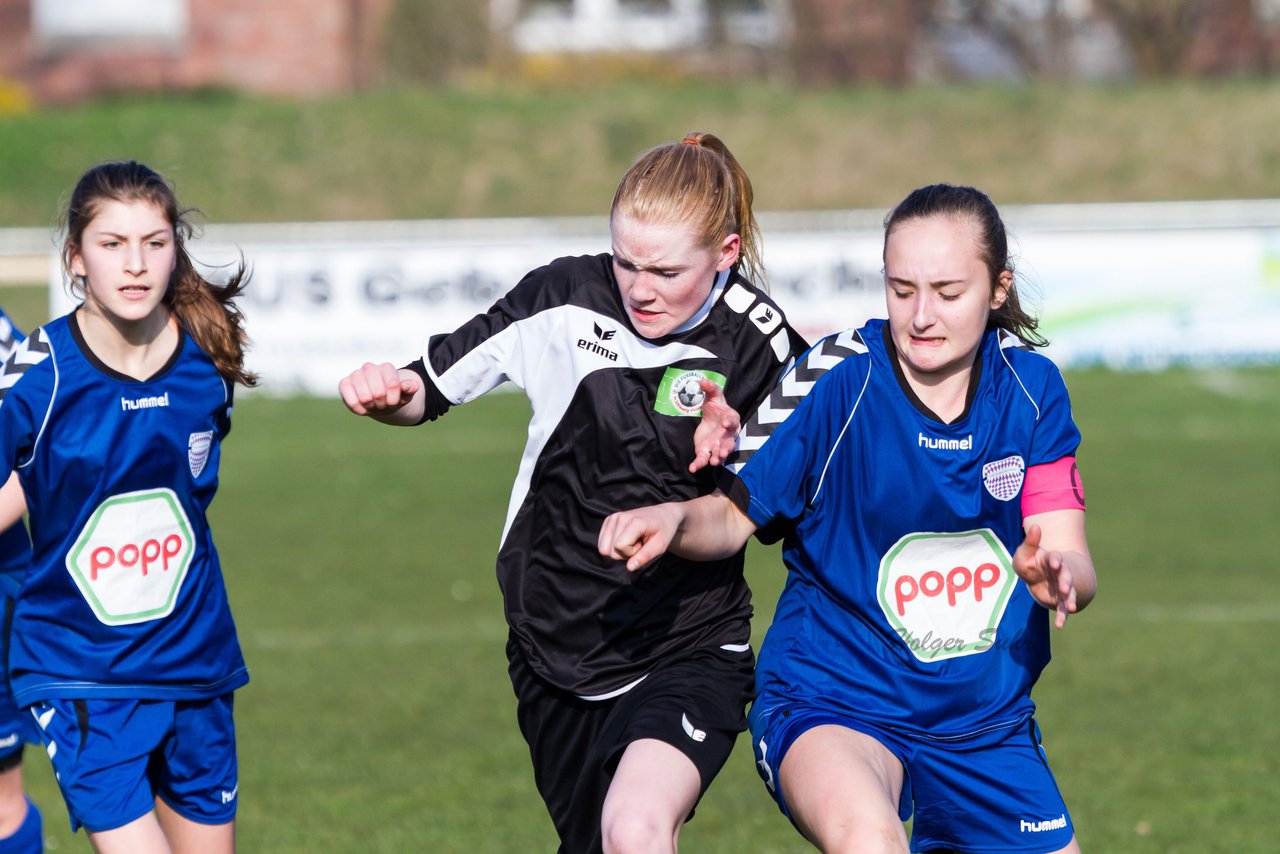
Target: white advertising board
column 327, row 297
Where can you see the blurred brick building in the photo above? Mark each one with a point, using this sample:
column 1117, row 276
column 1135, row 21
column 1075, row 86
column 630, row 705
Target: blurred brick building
column 65, row 50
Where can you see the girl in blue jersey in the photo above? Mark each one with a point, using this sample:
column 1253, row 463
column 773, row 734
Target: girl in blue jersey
column 933, row 519
column 21, row 825
column 113, row 416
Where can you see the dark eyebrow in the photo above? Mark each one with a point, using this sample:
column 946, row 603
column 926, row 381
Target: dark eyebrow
column 164, row 231
column 939, row 284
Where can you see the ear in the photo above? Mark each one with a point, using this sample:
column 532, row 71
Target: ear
column 1004, row 283
column 730, row 249
column 77, row 263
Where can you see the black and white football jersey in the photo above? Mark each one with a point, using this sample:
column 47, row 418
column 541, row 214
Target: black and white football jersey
column 612, row 428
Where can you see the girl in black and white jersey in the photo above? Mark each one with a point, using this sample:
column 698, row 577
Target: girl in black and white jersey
column 631, row 688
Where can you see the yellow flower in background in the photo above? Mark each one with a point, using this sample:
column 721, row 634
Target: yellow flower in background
column 14, row 98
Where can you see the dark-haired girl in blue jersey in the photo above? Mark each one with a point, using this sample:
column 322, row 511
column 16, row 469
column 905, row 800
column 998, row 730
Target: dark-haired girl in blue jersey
column 933, row 519
column 113, row 416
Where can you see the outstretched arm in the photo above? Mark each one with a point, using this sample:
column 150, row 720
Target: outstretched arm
column 706, row 528
column 717, row 432
column 384, row 393
column 1054, row 562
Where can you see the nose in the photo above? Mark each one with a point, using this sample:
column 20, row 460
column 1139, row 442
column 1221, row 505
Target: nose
column 135, row 260
column 923, row 314
column 643, row 288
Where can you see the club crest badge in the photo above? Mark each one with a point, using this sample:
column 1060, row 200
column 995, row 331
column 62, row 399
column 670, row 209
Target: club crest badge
column 1003, row 478
column 198, row 446
column 680, row 392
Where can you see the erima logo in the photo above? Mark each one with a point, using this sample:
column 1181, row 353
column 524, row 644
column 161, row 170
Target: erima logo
column 766, row 319
column 692, row 731
column 593, row 347
column 127, row 405
column 228, row 797
column 933, row 444
column 1041, row 826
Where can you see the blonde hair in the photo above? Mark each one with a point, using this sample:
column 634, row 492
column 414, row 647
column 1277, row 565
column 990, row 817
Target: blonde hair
column 699, row 182
column 207, row 311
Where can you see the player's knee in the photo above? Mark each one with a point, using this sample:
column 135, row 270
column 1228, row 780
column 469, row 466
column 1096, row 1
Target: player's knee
column 637, row 832
column 864, row 834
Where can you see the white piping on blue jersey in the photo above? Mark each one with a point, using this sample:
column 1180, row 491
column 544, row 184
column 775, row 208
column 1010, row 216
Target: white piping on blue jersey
column 40, row 334
column 1013, row 342
column 980, row 731
column 827, row 464
column 793, row 391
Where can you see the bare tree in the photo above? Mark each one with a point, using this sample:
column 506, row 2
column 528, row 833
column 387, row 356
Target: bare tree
column 1033, row 35
column 839, row 41
column 1161, row 34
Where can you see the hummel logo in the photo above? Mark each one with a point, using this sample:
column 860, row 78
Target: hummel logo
column 8, row 742
column 933, row 443
column 692, row 731
column 128, row 404
column 604, row 335
column 228, row 797
column 1041, row 826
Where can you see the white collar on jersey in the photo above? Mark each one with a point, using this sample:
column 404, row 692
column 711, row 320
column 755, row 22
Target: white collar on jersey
column 722, row 279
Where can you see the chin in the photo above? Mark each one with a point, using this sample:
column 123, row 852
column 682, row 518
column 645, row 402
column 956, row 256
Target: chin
column 136, row 313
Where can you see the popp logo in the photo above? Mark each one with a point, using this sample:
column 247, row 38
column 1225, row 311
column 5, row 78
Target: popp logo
column 132, row 556
column 944, row 594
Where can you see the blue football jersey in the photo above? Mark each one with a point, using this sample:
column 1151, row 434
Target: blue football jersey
column 15, row 545
column 125, row 597
column 901, row 606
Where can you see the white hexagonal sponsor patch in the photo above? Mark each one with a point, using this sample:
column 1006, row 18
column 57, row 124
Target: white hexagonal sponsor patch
column 944, row 594
column 132, row 556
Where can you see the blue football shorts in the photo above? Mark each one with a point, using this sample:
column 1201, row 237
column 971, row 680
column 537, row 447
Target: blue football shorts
column 113, row 758
column 990, row 792
column 16, row 726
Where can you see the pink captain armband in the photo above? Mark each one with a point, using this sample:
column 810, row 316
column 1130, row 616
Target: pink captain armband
column 1052, row 486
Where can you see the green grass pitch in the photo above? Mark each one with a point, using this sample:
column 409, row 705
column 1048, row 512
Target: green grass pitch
column 359, row 560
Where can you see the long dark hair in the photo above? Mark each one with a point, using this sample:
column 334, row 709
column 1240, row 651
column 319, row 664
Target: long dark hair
column 207, row 311
column 947, row 200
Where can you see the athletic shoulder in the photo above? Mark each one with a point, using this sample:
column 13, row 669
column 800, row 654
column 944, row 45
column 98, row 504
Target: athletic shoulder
column 750, row 314
column 10, row 335
column 835, row 354
column 1034, row 375
column 30, row 361
column 565, row 281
